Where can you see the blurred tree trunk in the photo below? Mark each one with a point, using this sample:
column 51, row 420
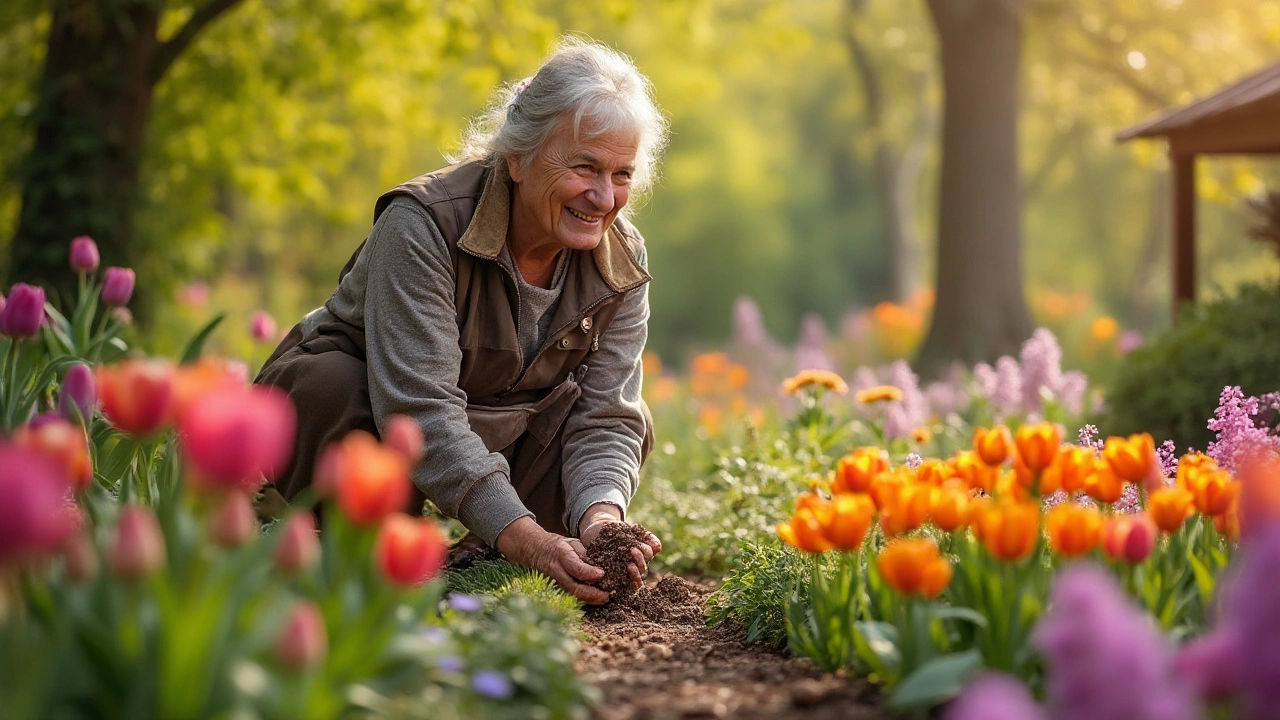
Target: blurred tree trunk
column 102, row 62
column 981, row 311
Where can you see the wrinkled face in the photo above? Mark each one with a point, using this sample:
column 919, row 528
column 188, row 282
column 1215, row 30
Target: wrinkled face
column 573, row 189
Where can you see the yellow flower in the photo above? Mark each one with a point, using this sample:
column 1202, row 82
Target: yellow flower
column 806, row 378
column 921, row 435
column 879, row 393
column 1103, row 329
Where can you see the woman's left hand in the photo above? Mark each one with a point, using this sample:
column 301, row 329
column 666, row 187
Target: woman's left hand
column 594, row 520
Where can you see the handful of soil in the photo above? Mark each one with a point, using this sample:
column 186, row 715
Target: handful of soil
column 611, row 550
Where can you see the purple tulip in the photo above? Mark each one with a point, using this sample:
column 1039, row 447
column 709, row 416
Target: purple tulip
column 117, row 286
column 84, row 255
column 492, row 684
column 33, row 519
column 24, row 312
column 78, row 394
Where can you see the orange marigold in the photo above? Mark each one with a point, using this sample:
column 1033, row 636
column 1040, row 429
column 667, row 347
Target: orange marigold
column 809, row 378
column 879, row 393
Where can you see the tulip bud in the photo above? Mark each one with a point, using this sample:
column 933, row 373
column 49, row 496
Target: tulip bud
column 117, row 286
column 236, row 437
column 1129, row 538
column 32, row 519
column 24, row 312
column 299, row 549
column 404, row 434
column 80, row 559
column 234, row 522
column 409, row 550
column 84, row 255
column 263, row 327
column 304, row 641
column 137, row 550
column 78, row 394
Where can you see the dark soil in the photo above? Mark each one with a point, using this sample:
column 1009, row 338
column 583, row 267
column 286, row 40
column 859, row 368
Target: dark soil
column 611, row 550
column 654, row 658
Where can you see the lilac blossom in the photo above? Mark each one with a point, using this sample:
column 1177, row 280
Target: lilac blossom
column 897, row 422
column 984, row 380
column 945, row 398
column 1006, row 399
column 863, row 378
column 1041, row 366
column 1105, row 660
column 1237, row 433
column 811, row 350
column 1071, row 391
column 748, row 324
column 1167, row 454
column 913, row 460
column 1088, row 437
column 994, row 696
column 1129, row 501
column 1128, row 341
column 914, row 403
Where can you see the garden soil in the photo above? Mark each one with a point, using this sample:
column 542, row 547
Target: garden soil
column 653, row 657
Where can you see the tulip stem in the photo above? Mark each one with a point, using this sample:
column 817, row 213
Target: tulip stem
column 11, row 393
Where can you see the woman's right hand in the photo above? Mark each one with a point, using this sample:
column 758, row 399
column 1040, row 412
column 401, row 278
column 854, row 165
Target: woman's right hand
column 563, row 559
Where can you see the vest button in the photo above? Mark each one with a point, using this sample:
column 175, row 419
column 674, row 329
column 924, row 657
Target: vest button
column 586, row 324
column 564, row 342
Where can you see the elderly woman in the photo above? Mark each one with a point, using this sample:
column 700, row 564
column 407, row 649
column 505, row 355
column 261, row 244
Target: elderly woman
column 502, row 303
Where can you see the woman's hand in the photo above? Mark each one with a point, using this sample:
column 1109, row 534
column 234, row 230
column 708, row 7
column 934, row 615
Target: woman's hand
column 601, row 514
column 526, row 544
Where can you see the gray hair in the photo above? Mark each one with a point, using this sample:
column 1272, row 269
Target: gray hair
column 583, row 80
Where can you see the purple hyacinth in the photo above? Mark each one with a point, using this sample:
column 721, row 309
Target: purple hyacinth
column 984, row 380
column 748, row 323
column 1237, row 432
column 1041, row 364
column 1006, row 398
column 915, row 405
column 492, row 684
column 994, row 696
column 811, row 350
column 1071, row 391
column 1105, row 659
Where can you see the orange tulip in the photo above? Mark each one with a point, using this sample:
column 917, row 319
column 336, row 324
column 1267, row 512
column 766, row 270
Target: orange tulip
column 63, row 443
column 886, row 485
column 950, row 507
column 137, row 395
column 992, row 446
column 1073, row 530
column 206, row 375
column 914, row 567
column 976, row 473
column 1010, row 529
column 372, row 481
column 934, row 472
column 1169, row 507
column 1102, row 484
column 1038, row 444
column 1010, row 487
column 1129, row 538
column 1131, row 458
column 850, row 518
column 1191, row 465
column 1214, row 490
column 409, row 551
column 855, row 471
column 1259, row 491
column 906, row 509
column 804, row 530
column 979, row 507
column 1228, row 523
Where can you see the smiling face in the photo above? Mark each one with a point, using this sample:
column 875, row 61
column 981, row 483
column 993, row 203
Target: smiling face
column 572, row 191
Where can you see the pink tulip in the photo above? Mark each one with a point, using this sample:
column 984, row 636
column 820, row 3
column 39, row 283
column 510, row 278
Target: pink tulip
column 80, row 558
column 304, row 641
column 404, row 434
column 33, row 493
column 78, row 394
column 84, row 255
column 62, row 443
column 23, row 314
column 299, row 549
column 236, row 437
column 137, row 549
column 234, row 522
column 263, row 327
column 117, row 286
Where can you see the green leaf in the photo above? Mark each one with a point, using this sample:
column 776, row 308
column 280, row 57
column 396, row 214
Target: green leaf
column 1205, row 581
column 196, row 345
column 936, row 681
column 945, row 612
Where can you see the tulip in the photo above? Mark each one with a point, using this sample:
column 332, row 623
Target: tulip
column 137, row 548
column 906, row 509
column 233, row 523
column 992, row 446
column 234, row 438
column 855, row 471
column 886, row 485
column 1259, row 492
column 78, row 395
column 409, row 551
column 209, row 374
column 1009, row 530
column 372, row 480
column 1102, row 484
column 1073, row 530
column 1131, row 457
column 117, row 286
column 32, row 520
column 1214, row 490
column 804, row 531
column 80, row 558
column 1169, row 507
column 1038, row 445
column 914, row 567
column 404, row 434
column 1069, row 469
column 299, row 549
column 1191, row 465
column 304, row 641
column 65, row 445
column 137, row 395
column 979, row 507
column 950, row 507
column 975, row 472
column 934, row 472
column 84, row 255
column 263, row 327
column 850, row 518
column 23, row 313
column 1228, row 523
column 1129, row 538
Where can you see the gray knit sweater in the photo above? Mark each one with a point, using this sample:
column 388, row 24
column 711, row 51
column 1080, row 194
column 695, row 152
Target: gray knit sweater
column 401, row 291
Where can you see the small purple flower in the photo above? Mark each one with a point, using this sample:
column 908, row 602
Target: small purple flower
column 1129, row 501
column 1041, row 364
column 78, row 394
column 748, row 323
column 914, row 403
column 897, row 424
column 1128, row 341
column 1088, row 437
column 1237, row 432
column 117, row 286
column 811, row 350
column 1071, row 391
column 23, row 314
column 434, row 635
column 1006, row 397
column 492, row 684
column 1167, row 453
column 465, row 603
column 913, row 461
column 449, row 663
column 994, row 696
column 84, row 255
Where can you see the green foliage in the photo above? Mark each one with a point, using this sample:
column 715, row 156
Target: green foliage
column 500, row 579
column 756, row 591
column 1171, row 386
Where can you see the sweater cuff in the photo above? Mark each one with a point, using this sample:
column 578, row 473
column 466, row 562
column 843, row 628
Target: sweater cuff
column 490, row 506
column 608, row 494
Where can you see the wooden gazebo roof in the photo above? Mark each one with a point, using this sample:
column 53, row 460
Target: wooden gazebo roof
column 1242, row 118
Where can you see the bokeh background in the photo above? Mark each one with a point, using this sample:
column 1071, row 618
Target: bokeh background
column 801, row 181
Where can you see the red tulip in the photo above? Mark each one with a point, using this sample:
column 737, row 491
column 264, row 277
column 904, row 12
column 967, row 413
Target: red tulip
column 372, row 481
column 137, row 395
column 236, row 437
column 1129, row 538
column 404, row 434
column 304, row 641
column 33, row 521
column 409, row 550
column 84, row 255
column 117, row 286
column 137, row 549
column 299, row 549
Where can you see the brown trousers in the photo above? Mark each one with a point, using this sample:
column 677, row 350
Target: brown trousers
column 327, row 380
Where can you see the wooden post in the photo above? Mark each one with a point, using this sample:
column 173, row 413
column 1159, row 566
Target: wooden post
column 1184, row 229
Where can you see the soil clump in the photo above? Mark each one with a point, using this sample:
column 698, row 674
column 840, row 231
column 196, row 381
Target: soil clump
column 611, row 551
